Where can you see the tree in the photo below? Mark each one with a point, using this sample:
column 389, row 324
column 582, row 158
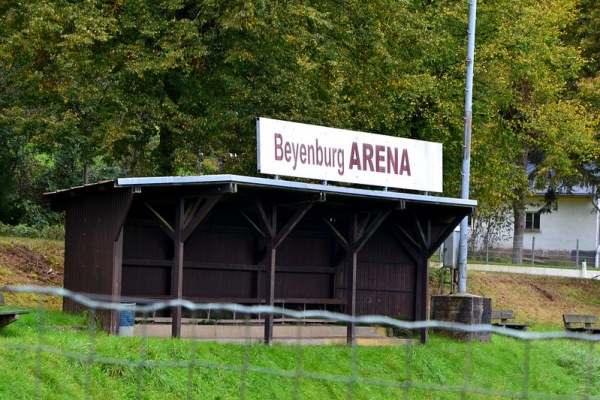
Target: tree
column 535, row 134
column 163, row 87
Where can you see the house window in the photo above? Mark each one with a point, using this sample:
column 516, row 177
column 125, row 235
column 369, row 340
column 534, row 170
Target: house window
column 532, row 221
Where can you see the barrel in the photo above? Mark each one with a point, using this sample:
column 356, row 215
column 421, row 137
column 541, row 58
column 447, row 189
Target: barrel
column 127, row 320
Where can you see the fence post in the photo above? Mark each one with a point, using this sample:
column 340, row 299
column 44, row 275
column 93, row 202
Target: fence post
column 487, row 250
column 533, row 251
column 577, row 254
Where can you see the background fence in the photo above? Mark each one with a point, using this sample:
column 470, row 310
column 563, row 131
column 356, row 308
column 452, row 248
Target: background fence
column 534, row 253
column 49, row 355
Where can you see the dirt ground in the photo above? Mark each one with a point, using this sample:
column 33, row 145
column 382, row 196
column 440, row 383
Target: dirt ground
column 31, row 262
column 534, row 299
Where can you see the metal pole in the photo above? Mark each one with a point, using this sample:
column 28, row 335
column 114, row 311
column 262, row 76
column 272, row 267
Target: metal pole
column 466, row 167
column 533, row 251
column 577, row 254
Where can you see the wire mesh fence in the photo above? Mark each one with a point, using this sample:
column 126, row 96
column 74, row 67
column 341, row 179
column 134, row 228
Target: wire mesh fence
column 50, row 355
column 538, row 252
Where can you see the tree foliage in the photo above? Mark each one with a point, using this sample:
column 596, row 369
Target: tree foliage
column 96, row 89
column 536, row 135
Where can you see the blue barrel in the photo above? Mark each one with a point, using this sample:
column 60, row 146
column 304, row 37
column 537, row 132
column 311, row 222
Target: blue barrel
column 127, row 320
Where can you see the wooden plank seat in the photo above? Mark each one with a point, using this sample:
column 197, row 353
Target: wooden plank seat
column 279, row 302
column 504, row 316
column 8, row 317
column 236, row 300
column 580, row 323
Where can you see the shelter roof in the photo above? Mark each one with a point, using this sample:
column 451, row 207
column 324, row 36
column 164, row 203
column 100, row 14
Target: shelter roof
column 264, row 187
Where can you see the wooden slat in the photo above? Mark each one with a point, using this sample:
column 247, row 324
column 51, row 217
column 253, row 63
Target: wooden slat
column 503, row 314
column 579, row 319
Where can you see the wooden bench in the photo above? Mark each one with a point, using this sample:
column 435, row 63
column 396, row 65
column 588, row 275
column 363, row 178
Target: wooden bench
column 504, row 316
column 580, row 323
column 7, row 317
column 301, row 303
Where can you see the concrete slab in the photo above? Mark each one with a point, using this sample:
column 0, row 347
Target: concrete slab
column 282, row 334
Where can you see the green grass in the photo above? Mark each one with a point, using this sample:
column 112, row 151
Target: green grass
column 50, row 355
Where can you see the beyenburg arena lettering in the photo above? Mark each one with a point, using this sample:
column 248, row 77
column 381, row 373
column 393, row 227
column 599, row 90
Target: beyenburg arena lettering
column 309, row 151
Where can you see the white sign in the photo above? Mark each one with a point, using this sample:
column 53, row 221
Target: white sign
column 317, row 152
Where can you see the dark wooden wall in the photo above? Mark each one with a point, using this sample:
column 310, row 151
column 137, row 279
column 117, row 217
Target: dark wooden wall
column 93, row 226
column 224, row 262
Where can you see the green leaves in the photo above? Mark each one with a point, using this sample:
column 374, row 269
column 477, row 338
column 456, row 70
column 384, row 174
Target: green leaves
column 170, row 87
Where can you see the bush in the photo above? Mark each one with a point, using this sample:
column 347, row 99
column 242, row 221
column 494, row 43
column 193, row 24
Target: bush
column 52, row 232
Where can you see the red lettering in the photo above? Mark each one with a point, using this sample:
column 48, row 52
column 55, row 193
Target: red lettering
column 404, row 163
column 278, row 147
column 367, row 156
column 392, row 160
column 288, row 151
column 354, row 157
column 379, row 158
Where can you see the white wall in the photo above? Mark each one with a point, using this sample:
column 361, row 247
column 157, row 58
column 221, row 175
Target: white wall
column 576, row 218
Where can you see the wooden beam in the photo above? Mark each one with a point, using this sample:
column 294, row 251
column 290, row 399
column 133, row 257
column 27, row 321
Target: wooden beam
column 270, row 289
column 191, row 210
column 363, row 224
column 404, row 240
column 122, row 214
column 422, row 295
column 117, row 262
column 199, row 216
column 338, row 235
column 177, row 270
column 443, row 235
column 351, row 291
column 291, row 224
column 117, row 271
column 253, row 224
column 408, row 237
column 368, row 231
column 165, row 226
column 420, row 232
column 267, row 225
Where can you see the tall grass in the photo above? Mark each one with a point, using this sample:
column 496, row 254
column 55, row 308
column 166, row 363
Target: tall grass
column 50, row 355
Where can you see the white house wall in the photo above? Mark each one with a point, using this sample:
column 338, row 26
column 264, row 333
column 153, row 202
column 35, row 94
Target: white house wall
column 576, row 218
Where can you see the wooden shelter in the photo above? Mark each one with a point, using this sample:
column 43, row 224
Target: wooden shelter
column 254, row 241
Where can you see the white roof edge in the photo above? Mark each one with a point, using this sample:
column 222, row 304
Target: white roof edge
column 278, row 183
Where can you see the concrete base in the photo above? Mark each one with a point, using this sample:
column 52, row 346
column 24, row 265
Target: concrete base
column 282, row 334
column 465, row 309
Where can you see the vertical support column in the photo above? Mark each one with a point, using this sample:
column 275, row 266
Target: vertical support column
column 177, row 268
column 270, row 288
column 351, row 291
column 116, row 282
column 422, row 295
column 351, row 300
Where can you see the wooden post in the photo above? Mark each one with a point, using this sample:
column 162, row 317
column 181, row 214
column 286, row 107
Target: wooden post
column 351, row 291
column 116, row 282
column 270, row 289
column 351, row 300
column 422, row 295
column 177, row 269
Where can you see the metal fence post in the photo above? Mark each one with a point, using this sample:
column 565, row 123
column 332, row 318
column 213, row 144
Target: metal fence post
column 487, row 250
column 533, row 251
column 577, row 254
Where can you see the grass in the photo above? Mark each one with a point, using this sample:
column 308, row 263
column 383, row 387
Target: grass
column 50, row 355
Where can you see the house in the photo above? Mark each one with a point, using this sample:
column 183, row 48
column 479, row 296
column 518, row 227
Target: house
column 571, row 231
